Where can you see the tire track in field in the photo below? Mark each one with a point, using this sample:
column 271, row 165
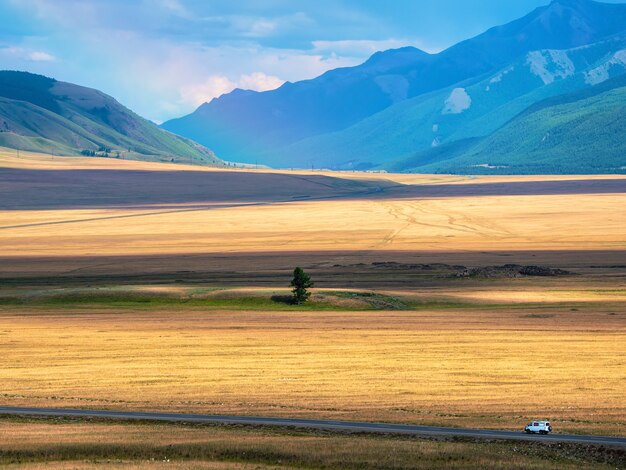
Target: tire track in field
column 129, row 216
column 477, row 225
column 453, row 224
column 369, row 192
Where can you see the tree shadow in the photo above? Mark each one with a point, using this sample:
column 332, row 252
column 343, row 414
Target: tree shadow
column 283, row 299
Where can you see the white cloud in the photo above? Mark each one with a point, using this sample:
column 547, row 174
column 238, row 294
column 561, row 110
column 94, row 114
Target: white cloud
column 259, row 81
column 185, row 76
column 212, row 87
column 163, row 58
column 173, row 6
column 39, row 56
column 261, row 27
column 162, row 77
column 26, row 54
column 218, row 85
column 11, row 50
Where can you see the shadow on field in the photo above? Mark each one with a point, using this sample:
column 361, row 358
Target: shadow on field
column 354, row 269
column 23, row 189
column 513, row 188
column 283, row 299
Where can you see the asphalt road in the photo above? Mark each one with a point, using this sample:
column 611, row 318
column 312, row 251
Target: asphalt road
column 351, row 426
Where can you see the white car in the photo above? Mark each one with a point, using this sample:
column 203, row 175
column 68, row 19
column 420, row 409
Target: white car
column 541, row 427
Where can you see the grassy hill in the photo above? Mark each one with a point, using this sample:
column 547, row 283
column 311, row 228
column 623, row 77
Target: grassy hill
column 44, row 115
column 580, row 132
column 466, row 111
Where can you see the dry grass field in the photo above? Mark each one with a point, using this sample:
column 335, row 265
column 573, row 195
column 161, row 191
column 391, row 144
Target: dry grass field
column 502, row 223
column 66, row 444
column 63, row 213
column 149, row 286
column 491, row 365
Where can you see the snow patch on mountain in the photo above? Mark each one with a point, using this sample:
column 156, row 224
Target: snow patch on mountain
column 457, row 102
column 498, row 78
column 601, row 74
column 550, row 65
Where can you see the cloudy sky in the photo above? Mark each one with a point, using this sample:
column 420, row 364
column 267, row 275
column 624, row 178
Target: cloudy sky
column 163, row 58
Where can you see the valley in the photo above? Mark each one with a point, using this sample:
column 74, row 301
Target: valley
column 347, row 236
column 161, row 287
column 145, row 263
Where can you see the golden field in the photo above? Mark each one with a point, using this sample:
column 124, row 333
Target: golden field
column 129, row 213
column 145, row 286
column 459, row 224
column 486, row 366
column 65, row 444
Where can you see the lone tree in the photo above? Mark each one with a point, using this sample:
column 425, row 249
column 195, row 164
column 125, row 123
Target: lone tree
column 301, row 282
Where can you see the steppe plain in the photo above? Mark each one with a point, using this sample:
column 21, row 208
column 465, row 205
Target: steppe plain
column 130, row 285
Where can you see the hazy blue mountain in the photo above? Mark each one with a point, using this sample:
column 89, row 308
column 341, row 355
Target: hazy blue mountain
column 248, row 126
column 579, row 132
column 41, row 114
column 470, row 109
column 242, row 124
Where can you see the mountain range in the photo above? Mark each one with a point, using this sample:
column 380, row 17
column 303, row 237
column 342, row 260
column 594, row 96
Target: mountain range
column 540, row 94
column 41, row 114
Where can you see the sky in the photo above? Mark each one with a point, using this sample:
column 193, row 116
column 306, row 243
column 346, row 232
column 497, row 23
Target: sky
column 164, row 58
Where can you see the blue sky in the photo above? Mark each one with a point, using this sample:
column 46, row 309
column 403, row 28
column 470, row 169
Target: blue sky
column 163, row 58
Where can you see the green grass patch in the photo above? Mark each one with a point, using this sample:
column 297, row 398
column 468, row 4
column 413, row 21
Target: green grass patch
column 374, row 300
column 241, row 299
column 610, row 291
column 200, row 298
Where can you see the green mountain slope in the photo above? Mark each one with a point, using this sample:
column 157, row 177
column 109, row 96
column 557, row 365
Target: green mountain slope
column 581, row 132
column 467, row 110
column 41, row 114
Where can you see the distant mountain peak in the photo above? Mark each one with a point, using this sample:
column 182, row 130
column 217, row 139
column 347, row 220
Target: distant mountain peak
column 268, row 125
column 576, row 5
column 405, row 51
column 581, row 6
column 395, row 57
